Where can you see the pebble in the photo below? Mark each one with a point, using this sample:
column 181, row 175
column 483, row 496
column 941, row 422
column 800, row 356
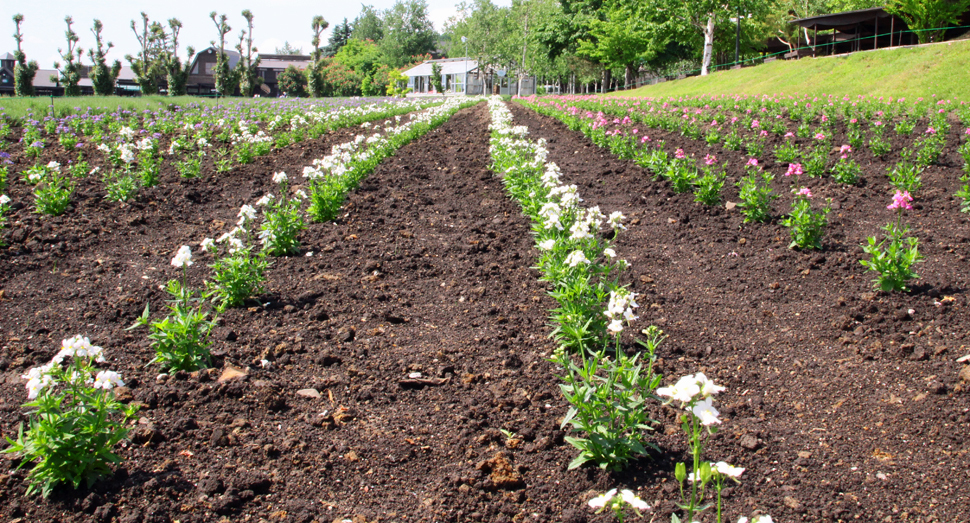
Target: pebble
column 749, row 442
column 309, row 393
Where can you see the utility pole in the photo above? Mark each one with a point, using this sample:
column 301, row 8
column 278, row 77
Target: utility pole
column 464, row 87
column 737, row 39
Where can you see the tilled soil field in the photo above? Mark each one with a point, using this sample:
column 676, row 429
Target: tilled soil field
column 410, row 333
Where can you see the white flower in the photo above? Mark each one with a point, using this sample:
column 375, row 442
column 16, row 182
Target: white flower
column 683, row 391
column 207, row 244
column 4, row 199
column 601, row 500
column 300, row 194
column 94, row 171
column 609, row 252
column 54, row 166
column 576, row 258
column 246, row 212
column 728, row 470
column 547, row 245
column 235, row 245
column 762, row 519
column 279, row 177
column 38, row 378
column 616, row 220
column 580, row 231
column 145, row 144
column 633, row 500
column 34, row 177
column 705, row 412
column 264, row 200
column 183, row 258
column 615, row 326
column 202, row 142
column 708, row 387
column 127, row 155
column 108, row 379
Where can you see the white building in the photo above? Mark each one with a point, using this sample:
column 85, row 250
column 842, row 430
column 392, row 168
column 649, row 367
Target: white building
column 455, row 73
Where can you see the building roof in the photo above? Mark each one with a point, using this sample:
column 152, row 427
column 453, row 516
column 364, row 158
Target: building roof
column 448, row 66
column 276, row 63
column 845, row 21
column 7, row 56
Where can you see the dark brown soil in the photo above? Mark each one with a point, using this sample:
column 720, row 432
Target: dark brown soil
column 836, row 410
column 843, row 403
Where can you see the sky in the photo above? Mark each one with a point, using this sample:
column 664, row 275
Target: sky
column 273, row 23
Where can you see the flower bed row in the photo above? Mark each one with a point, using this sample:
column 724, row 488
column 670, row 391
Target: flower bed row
column 891, row 257
column 609, row 391
column 77, row 419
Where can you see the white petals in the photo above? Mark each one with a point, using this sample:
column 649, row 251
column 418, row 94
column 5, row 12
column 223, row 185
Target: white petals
column 183, row 258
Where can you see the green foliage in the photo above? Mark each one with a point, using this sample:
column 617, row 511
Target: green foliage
column 282, row 222
column 70, row 75
column 407, row 31
column 923, row 15
column 181, row 339
column 806, row 226
column 75, row 423
column 226, row 79
column 177, row 74
column 893, row 257
column 756, row 195
column 436, row 78
column 102, row 78
column 246, row 70
column 292, row 82
column 339, row 37
column 149, row 66
column 23, row 71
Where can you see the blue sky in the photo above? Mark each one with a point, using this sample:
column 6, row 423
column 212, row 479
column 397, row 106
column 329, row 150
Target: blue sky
column 274, row 22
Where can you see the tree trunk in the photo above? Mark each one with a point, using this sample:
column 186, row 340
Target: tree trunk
column 630, row 79
column 708, row 45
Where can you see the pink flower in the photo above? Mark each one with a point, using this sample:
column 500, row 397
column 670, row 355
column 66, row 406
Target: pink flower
column 753, row 162
column 794, row 169
column 679, row 154
column 877, row 123
column 967, row 132
column 804, row 191
column 789, row 134
column 755, row 124
column 820, row 136
column 710, row 159
column 825, row 118
column 845, row 149
column 854, row 120
column 635, row 131
column 930, row 130
column 645, row 139
column 900, row 201
column 764, row 133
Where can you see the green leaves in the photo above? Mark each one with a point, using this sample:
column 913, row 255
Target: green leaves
column 893, row 258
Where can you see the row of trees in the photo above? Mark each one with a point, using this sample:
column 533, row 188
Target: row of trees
column 363, row 57
column 587, row 41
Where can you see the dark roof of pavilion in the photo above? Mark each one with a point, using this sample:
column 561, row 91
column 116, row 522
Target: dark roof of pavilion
column 844, row 21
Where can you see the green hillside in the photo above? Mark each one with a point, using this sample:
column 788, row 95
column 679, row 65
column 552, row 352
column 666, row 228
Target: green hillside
column 941, row 69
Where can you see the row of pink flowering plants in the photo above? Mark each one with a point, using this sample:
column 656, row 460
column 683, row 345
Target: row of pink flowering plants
column 609, row 386
column 127, row 151
column 75, row 420
column 788, row 143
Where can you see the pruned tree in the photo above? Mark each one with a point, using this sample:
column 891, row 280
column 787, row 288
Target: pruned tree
column 102, row 78
column 224, row 77
column 149, row 65
column 247, row 67
column 70, row 75
column 313, row 74
column 176, row 73
column 23, row 71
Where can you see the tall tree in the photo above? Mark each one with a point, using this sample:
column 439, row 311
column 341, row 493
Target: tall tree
column 224, row 77
column 247, row 67
column 102, row 78
column 623, row 39
column 686, row 18
column 70, row 75
column 23, row 71
column 369, row 24
column 338, row 38
column 407, row 32
column 176, row 73
column 313, row 71
column 148, row 66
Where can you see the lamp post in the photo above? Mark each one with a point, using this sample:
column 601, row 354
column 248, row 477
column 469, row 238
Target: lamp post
column 464, row 86
column 737, row 39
